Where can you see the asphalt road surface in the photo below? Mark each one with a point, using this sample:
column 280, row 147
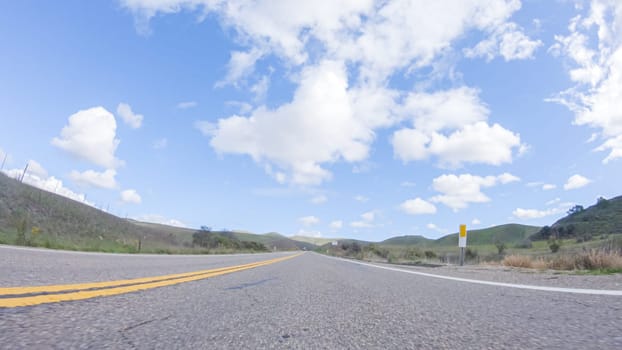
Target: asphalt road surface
column 307, row 302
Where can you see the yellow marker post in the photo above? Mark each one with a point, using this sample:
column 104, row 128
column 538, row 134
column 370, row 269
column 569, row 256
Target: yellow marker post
column 462, row 242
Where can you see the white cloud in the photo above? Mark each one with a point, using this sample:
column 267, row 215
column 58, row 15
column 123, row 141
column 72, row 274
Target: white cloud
column 319, row 199
column 36, row 169
column 130, row 196
column 206, row 128
column 553, row 201
column 444, row 110
column 129, row 117
column 595, row 52
column 614, row 145
column 159, row 219
column 361, row 224
column 50, row 184
column 506, row 178
column 243, row 108
column 544, row 186
column 418, row 206
column 451, row 125
column 361, row 198
column 408, row 184
column 534, row 213
column 104, row 179
column 240, row 65
column 523, row 149
column 366, row 221
column 309, row 220
column 90, row 135
column 317, row 127
column 187, row 104
column 576, row 181
column 160, row 143
column 506, row 40
column 382, row 36
column 435, row 228
column 475, row 221
column 260, row 88
column 336, row 225
column 457, row 191
column 368, row 216
column 309, row 233
column 342, row 54
column 477, row 143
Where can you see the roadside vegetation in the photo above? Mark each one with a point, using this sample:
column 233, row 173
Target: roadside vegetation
column 605, row 259
column 587, row 239
column 33, row 217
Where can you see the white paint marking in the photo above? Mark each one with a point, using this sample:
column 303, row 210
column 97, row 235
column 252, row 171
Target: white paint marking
column 489, row 283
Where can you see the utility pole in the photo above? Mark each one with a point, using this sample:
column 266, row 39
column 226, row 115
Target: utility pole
column 21, row 179
column 3, row 161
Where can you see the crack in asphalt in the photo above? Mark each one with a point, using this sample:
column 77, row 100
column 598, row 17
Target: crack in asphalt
column 127, row 340
column 251, row 284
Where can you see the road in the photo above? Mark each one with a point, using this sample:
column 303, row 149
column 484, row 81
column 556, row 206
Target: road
column 307, row 302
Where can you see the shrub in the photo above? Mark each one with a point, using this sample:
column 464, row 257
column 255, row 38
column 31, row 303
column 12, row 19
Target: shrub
column 412, row 254
column 470, row 254
column 500, row 247
column 554, row 245
column 430, row 254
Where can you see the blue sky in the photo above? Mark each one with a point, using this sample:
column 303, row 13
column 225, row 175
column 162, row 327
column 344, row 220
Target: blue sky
column 363, row 119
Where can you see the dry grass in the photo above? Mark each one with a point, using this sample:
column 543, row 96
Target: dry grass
column 539, row 264
column 517, row 261
column 594, row 259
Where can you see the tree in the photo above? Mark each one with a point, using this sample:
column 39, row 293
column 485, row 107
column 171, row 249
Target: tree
column 554, row 245
column 602, row 203
column 574, row 210
column 544, row 233
column 500, row 246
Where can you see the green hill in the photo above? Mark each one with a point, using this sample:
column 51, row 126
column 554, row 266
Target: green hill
column 272, row 240
column 408, row 240
column 318, row 241
column 602, row 218
column 53, row 221
column 508, row 233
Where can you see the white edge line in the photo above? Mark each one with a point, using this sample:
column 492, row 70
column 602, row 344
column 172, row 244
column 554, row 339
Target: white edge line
column 490, row 283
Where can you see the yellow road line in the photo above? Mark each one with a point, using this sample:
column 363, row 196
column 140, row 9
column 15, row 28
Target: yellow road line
column 94, row 285
column 142, row 284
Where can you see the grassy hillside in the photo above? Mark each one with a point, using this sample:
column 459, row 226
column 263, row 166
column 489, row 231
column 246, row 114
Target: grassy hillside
column 53, row 221
column 408, row 240
column 509, row 234
column 272, row 240
column 602, row 218
column 318, row 241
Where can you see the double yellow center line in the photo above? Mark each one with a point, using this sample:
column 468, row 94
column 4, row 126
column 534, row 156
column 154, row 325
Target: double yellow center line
column 29, row 296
